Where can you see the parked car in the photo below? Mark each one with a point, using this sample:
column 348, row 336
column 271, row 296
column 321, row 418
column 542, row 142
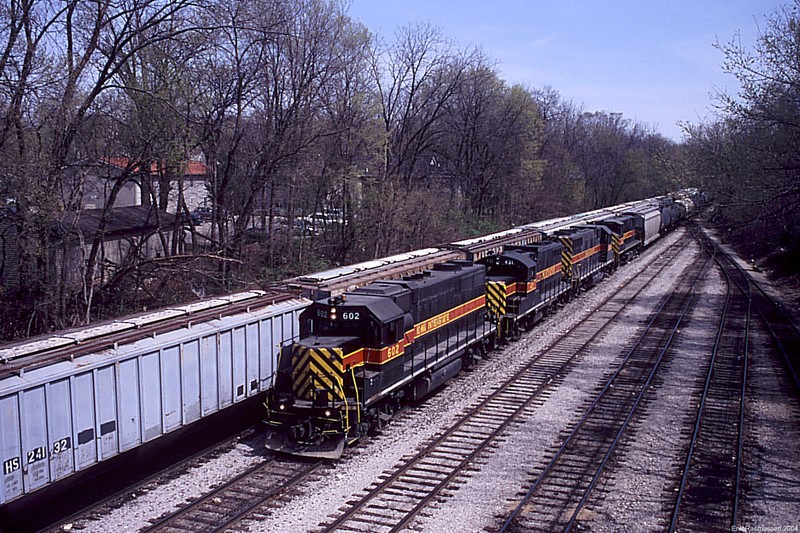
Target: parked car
column 320, row 220
column 304, row 227
column 203, row 212
column 192, row 217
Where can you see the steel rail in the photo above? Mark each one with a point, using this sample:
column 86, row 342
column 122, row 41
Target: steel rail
column 767, row 303
column 118, row 495
column 707, row 385
column 589, row 411
column 170, row 521
column 629, row 417
column 740, row 443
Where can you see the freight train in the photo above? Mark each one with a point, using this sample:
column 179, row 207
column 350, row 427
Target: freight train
column 365, row 352
column 74, row 401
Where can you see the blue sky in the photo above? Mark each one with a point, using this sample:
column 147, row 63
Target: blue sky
column 652, row 61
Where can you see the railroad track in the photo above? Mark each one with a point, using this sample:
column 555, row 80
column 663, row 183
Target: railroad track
column 118, row 498
column 564, row 482
column 779, row 325
column 710, row 489
column 392, row 503
column 708, row 493
column 235, row 500
column 784, row 332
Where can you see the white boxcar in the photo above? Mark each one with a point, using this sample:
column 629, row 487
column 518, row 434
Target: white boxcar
column 68, row 416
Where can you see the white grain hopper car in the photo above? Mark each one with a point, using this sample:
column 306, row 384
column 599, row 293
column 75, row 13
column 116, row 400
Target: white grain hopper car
column 68, row 416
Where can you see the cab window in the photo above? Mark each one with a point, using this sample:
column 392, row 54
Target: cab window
column 395, row 332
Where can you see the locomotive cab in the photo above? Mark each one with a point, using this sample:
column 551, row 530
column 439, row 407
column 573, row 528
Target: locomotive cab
column 607, row 257
column 508, row 276
column 549, row 284
column 624, row 243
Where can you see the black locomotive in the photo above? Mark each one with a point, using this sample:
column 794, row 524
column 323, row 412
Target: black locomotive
column 522, row 283
column 364, row 352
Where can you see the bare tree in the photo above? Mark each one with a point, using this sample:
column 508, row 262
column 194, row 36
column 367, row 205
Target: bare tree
column 415, row 77
column 561, row 188
column 59, row 58
column 749, row 156
column 491, row 144
column 302, row 55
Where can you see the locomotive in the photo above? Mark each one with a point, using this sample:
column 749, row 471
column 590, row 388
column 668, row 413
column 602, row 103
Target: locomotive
column 522, row 283
column 365, row 352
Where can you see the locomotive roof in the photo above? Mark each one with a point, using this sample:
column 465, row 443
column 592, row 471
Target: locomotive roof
column 601, row 227
column 535, row 247
column 429, row 282
column 382, row 306
column 539, row 249
column 386, row 299
column 526, row 259
column 574, row 230
column 379, row 288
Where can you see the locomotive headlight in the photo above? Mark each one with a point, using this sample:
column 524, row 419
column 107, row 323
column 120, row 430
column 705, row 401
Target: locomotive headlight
column 282, row 407
column 327, row 412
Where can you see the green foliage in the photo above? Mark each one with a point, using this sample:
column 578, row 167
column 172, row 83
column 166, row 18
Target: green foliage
column 750, row 157
column 469, row 226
